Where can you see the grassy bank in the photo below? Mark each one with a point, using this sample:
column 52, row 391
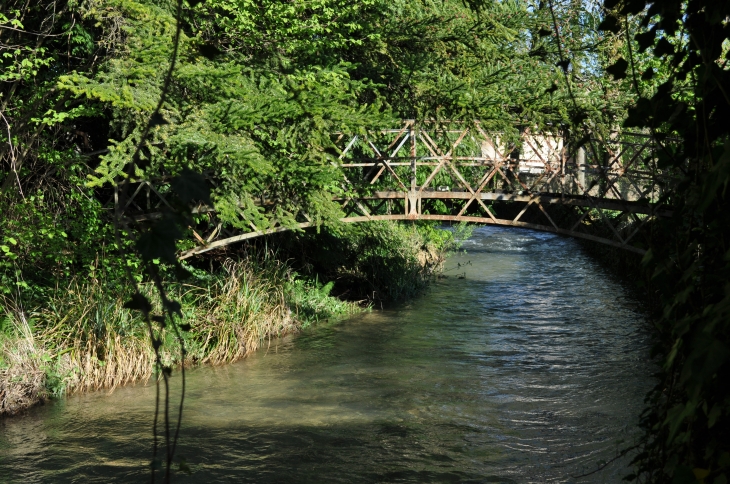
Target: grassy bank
column 377, row 261
column 80, row 338
column 83, row 338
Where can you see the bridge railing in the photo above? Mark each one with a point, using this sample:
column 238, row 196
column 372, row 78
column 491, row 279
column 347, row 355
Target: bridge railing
column 607, row 190
column 432, row 157
column 461, row 172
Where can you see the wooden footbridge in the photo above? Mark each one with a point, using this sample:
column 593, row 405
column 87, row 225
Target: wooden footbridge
column 607, row 191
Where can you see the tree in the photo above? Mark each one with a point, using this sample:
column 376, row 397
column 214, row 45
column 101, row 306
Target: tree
column 682, row 98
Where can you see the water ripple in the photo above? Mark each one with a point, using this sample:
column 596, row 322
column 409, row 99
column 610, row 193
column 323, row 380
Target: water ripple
column 529, row 369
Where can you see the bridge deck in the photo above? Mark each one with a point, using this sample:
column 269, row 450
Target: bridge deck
column 618, row 205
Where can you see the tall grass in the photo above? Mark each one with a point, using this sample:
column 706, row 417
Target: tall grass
column 83, row 338
column 312, row 301
column 234, row 315
column 22, row 376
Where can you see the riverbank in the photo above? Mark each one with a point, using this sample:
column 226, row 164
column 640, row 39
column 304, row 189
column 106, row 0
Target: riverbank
column 80, row 337
column 530, row 346
column 83, row 339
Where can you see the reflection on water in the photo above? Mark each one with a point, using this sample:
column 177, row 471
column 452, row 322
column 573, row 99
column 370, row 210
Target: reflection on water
column 530, row 368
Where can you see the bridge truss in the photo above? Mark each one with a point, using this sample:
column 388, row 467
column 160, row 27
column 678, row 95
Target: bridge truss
column 608, row 191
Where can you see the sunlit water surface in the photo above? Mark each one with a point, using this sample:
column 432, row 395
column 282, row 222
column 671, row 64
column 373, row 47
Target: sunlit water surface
column 526, row 364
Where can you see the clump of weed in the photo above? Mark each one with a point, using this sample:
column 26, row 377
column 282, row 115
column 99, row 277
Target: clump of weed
column 83, row 339
column 312, row 302
column 22, row 376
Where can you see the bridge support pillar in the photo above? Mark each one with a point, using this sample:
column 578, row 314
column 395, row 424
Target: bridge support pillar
column 580, row 162
column 413, row 204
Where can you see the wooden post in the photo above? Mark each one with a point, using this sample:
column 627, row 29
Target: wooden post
column 580, row 164
column 413, row 159
column 412, row 197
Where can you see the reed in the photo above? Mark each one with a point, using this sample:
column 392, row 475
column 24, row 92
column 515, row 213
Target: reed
column 22, row 376
column 80, row 338
column 231, row 317
column 83, row 339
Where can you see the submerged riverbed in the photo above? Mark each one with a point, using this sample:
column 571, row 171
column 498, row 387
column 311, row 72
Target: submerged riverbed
column 528, row 363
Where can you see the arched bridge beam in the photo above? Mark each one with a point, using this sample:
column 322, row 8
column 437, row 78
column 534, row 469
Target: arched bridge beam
column 440, row 218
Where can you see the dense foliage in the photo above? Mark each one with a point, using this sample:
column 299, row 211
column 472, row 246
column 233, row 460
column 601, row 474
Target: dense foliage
column 377, row 262
column 259, row 90
column 261, row 87
column 685, row 49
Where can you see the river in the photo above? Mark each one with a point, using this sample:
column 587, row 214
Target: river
column 527, row 364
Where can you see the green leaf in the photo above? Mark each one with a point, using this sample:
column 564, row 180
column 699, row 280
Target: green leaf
column 712, row 357
column 700, row 474
column 714, row 415
column 684, row 475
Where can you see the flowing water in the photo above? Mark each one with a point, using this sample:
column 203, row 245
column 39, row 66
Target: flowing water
column 528, row 363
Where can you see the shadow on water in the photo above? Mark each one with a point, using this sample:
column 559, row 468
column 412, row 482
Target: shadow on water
column 531, row 368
